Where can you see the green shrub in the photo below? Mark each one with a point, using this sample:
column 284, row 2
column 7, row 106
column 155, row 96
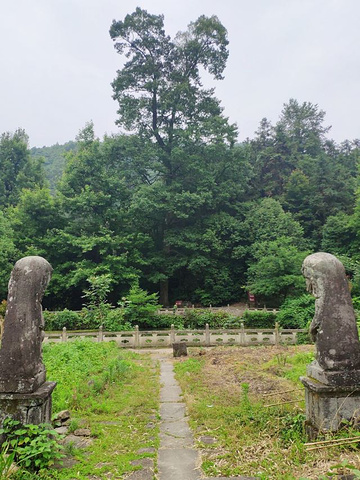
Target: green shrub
column 35, row 446
column 65, row 318
column 114, row 321
column 139, row 306
column 199, row 318
column 162, row 321
column 259, row 319
column 297, row 312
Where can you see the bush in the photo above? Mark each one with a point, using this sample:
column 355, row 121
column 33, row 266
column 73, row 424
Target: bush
column 114, row 321
column 66, row 318
column 34, row 446
column 199, row 318
column 139, row 306
column 259, row 319
column 297, row 312
column 161, row 321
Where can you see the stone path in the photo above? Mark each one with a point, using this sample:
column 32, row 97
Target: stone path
column 177, row 457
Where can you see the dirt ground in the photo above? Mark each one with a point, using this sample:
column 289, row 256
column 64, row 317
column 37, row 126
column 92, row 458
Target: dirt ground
column 227, row 369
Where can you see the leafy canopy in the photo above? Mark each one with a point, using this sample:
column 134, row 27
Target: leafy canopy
column 159, row 88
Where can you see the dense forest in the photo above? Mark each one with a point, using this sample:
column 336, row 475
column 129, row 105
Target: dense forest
column 177, row 204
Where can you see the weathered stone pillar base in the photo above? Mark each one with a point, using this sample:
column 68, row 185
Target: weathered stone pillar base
column 179, row 349
column 28, row 408
column 328, row 406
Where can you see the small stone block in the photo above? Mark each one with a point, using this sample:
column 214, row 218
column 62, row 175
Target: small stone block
column 62, row 416
column 61, row 430
column 207, row 440
column 147, row 450
column 82, row 432
column 180, row 349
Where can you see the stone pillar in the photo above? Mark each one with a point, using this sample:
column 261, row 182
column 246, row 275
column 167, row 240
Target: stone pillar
column 242, row 334
column 207, row 335
column 28, row 408
column 64, row 335
column 100, row 334
column 137, row 337
column 24, row 393
column 277, row 334
column 332, row 384
column 172, row 334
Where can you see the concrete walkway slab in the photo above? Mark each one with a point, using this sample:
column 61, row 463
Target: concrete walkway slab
column 178, row 464
column 177, row 457
column 170, row 393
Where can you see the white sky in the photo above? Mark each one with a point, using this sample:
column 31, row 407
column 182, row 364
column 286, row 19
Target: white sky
column 58, row 61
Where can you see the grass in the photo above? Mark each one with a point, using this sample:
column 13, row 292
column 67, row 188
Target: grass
column 251, row 402
column 115, row 394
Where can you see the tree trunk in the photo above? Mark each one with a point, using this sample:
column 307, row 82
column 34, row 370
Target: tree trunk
column 164, row 293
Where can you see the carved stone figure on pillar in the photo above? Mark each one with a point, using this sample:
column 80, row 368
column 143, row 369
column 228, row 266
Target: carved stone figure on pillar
column 333, row 327
column 332, row 384
column 21, row 366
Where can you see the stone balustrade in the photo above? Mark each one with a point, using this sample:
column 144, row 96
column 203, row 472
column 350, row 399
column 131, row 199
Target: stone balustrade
column 200, row 337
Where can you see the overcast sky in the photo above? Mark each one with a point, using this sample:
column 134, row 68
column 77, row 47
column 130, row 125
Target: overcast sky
column 58, row 61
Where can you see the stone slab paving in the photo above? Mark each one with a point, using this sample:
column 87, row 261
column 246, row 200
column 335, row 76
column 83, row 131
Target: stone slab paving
column 178, row 458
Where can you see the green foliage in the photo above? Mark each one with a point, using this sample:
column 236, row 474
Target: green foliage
column 292, row 429
column 3, row 305
column 177, row 204
column 139, row 306
column 276, row 272
column 81, row 367
column 259, row 319
column 17, row 169
column 97, row 308
column 199, row 318
column 163, row 321
column 54, row 160
column 114, row 321
column 6, row 462
column 297, row 312
column 65, row 318
column 338, row 234
column 35, row 446
column 8, row 253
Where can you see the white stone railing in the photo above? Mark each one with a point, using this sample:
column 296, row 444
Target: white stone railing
column 165, row 338
column 229, row 309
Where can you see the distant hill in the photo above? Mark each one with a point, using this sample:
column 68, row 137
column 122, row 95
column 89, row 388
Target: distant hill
column 54, row 160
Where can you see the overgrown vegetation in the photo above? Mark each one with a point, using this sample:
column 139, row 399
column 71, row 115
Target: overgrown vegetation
column 250, row 402
column 109, row 391
column 32, row 447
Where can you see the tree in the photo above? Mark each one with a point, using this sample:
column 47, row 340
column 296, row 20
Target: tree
column 17, row 169
column 296, row 164
column 266, row 220
column 161, row 98
column 8, row 254
column 93, row 236
column 276, row 272
column 275, row 250
column 159, row 88
column 54, row 160
column 35, row 214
